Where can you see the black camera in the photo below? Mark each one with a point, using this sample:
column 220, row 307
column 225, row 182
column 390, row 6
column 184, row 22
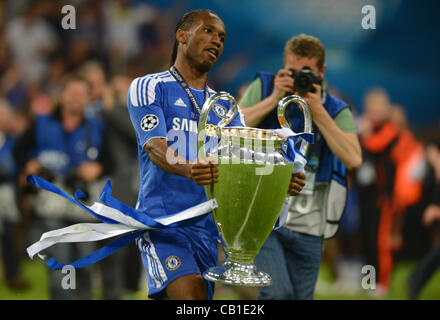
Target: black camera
column 304, row 80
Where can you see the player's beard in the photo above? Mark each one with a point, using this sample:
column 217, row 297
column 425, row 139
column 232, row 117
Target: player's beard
column 202, row 66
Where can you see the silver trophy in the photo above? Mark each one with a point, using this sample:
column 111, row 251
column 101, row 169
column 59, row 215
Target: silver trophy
column 253, row 182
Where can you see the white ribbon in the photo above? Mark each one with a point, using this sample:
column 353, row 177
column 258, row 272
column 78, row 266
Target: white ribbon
column 86, row 232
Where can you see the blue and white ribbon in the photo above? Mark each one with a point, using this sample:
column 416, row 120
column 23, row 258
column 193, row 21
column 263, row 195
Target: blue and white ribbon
column 117, row 218
column 291, row 153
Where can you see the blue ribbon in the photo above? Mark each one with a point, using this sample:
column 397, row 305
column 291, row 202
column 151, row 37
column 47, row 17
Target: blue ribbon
column 98, row 255
column 107, row 199
column 43, row 184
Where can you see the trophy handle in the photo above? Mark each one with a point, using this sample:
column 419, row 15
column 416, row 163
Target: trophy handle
column 300, row 103
column 209, row 103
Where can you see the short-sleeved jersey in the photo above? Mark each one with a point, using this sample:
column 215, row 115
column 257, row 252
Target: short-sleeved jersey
column 160, row 108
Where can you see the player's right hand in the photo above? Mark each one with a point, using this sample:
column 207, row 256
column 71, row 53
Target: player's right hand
column 282, row 84
column 204, row 172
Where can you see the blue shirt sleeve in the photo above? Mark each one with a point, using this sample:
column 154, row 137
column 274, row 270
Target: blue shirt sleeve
column 144, row 102
column 238, row 120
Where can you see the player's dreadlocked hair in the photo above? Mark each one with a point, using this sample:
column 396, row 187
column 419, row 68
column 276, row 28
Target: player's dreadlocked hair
column 185, row 23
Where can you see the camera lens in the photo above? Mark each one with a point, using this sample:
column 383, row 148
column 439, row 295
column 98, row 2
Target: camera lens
column 303, row 83
column 304, row 80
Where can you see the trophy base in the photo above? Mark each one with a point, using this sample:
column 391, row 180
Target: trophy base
column 236, row 273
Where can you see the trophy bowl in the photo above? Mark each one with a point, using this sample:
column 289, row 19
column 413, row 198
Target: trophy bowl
column 253, row 183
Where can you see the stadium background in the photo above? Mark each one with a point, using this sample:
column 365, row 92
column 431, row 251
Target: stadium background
column 135, row 37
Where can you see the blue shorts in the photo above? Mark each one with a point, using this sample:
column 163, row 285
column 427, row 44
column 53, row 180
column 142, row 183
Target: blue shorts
column 169, row 254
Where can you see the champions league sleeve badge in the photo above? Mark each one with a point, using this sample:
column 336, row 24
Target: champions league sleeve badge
column 149, row 122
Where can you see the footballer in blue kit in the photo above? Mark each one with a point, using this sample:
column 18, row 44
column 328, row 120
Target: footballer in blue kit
column 164, row 109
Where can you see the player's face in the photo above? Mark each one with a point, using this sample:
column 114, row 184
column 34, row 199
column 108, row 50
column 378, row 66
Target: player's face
column 205, row 43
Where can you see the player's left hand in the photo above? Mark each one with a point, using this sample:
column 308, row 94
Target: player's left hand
column 297, row 182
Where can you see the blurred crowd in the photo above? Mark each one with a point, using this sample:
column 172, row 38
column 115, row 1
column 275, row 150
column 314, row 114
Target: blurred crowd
column 80, row 79
column 65, row 90
column 393, row 206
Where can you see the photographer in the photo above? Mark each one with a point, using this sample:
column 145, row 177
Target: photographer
column 292, row 254
column 71, row 151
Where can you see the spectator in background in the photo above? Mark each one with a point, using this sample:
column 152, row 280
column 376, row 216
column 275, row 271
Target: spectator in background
column 122, row 29
column 73, row 150
column 94, row 73
column 2, row 14
column 123, row 140
column 89, row 24
column 125, row 177
column 411, row 236
column 155, row 32
column 393, row 152
column 79, row 52
column 431, row 216
column 12, row 86
column 51, row 85
column 108, row 102
column 5, row 56
column 31, row 40
column 12, row 247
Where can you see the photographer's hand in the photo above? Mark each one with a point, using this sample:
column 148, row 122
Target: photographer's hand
column 283, row 84
column 314, row 100
column 344, row 145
